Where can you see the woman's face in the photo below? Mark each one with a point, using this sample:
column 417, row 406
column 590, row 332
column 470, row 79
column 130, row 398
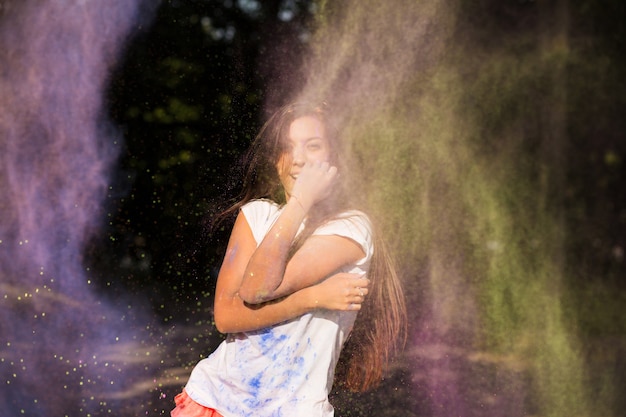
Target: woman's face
column 305, row 142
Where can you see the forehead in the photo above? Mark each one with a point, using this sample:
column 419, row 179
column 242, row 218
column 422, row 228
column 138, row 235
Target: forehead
column 305, row 128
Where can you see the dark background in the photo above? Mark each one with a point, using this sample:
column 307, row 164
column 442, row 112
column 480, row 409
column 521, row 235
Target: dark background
column 189, row 96
column 194, row 86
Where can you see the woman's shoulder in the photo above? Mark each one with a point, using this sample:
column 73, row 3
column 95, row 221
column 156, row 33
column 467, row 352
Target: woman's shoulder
column 261, row 204
column 355, row 215
column 352, row 221
column 354, row 225
column 260, row 211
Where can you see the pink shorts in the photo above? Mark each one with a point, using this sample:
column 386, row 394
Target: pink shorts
column 186, row 407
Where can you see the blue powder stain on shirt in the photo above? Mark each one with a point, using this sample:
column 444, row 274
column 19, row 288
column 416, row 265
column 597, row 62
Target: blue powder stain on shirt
column 268, row 341
column 286, row 372
column 255, row 384
column 254, row 402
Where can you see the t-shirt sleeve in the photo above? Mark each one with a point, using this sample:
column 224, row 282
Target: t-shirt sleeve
column 353, row 225
column 259, row 214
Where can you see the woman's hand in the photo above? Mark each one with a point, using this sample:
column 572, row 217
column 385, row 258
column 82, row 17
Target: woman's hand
column 342, row 291
column 315, row 182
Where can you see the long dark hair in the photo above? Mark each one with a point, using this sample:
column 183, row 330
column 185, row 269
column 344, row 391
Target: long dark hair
column 260, row 176
column 380, row 328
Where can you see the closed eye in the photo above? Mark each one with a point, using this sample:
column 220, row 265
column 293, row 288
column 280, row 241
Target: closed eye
column 314, row 144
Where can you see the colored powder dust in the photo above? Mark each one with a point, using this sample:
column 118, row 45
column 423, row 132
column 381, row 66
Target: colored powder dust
column 455, row 146
column 63, row 352
column 451, row 152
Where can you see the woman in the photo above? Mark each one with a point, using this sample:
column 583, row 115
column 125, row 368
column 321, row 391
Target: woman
column 292, row 283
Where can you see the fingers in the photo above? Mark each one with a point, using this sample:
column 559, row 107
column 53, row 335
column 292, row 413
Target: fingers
column 362, row 283
column 321, row 167
column 315, row 182
column 357, row 290
column 345, row 291
column 325, row 166
column 360, row 294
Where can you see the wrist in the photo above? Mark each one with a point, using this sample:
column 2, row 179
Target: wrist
column 311, row 299
column 298, row 201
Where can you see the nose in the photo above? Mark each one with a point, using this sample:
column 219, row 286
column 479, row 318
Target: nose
column 298, row 156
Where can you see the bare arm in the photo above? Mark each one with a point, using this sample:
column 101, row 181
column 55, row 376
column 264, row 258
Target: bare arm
column 339, row 292
column 268, row 274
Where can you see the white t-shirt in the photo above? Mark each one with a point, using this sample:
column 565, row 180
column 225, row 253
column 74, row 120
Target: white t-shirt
column 285, row 370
